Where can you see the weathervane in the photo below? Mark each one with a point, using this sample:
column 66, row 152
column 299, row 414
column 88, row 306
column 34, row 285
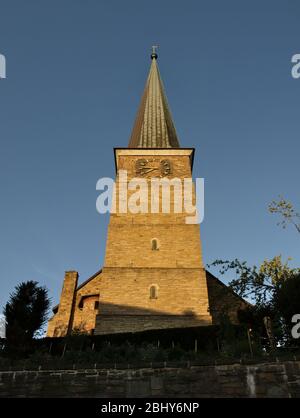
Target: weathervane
column 154, row 53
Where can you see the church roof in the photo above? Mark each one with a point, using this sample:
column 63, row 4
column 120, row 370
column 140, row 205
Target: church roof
column 154, row 127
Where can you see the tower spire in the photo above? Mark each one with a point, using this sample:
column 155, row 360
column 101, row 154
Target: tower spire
column 154, row 53
column 154, row 127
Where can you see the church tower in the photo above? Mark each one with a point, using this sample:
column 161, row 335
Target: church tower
column 153, row 275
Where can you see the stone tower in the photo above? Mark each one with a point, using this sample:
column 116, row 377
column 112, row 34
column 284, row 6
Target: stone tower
column 153, row 275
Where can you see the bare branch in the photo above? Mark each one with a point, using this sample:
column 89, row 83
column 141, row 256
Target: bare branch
column 287, row 212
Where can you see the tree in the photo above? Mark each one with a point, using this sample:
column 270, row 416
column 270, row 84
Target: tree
column 270, row 286
column 25, row 314
column 287, row 212
column 258, row 284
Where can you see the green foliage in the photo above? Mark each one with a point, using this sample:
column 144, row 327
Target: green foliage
column 124, row 355
column 177, row 354
column 275, row 289
column 259, row 284
column 152, row 353
column 25, row 314
column 234, row 341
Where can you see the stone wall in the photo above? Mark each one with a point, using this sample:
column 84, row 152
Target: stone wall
column 235, row 380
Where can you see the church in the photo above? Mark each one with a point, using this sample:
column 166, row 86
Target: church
column 153, row 276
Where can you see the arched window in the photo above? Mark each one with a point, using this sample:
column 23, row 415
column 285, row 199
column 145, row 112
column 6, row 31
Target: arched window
column 154, row 244
column 153, row 292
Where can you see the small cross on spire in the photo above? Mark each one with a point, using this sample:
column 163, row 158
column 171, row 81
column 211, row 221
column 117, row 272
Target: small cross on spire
column 154, row 53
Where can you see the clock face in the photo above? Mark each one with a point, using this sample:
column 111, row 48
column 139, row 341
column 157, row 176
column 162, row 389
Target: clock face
column 157, row 168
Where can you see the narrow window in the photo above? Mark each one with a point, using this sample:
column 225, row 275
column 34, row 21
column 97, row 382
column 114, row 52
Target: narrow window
column 153, row 292
column 154, row 244
column 97, row 304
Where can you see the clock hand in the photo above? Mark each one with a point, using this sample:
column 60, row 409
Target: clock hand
column 151, row 169
column 146, row 170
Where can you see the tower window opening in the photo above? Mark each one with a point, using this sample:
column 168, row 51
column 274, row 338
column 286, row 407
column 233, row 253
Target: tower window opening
column 96, row 306
column 154, row 244
column 153, row 292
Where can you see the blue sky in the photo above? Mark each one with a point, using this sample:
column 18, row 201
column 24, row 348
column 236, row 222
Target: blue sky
column 75, row 74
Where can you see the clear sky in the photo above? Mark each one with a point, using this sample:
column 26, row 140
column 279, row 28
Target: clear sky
column 75, row 74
